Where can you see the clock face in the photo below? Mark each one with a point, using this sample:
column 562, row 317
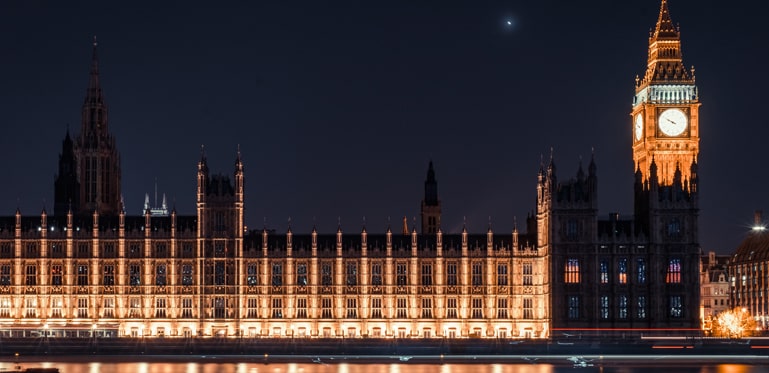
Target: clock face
column 673, row 122
column 639, row 126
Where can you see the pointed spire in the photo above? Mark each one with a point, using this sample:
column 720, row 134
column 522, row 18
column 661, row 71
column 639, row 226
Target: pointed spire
column 591, row 169
column 665, row 27
column 665, row 63
column 94, row 94
column 431, row 187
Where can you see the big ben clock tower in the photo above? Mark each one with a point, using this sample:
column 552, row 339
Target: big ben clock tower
column 665, row 108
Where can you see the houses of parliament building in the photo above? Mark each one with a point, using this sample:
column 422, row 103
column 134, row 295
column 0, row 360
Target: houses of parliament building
column 89, row 269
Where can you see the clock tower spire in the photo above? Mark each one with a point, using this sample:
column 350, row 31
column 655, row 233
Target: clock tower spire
column 665, row 107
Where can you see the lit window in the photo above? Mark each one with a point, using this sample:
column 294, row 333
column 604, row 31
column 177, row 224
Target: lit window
column 604, row 307
column 674, row 272
column 641, row 268
column 622, row 268
column 676, row 306
column 572, row 271
column 622, row 306
column 604, row 274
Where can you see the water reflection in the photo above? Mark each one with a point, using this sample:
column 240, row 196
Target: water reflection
column 321, row 367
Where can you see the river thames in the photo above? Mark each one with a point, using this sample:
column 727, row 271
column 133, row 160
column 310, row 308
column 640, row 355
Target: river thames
column 317, row 365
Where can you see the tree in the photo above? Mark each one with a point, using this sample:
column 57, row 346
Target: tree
column 734, row 323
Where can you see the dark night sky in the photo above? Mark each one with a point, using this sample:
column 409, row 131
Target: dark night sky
column 339, row 106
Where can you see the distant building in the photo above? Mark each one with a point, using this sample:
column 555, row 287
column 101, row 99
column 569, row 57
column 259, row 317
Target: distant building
column 90, row 269
column 714, row 282
column 749, row 273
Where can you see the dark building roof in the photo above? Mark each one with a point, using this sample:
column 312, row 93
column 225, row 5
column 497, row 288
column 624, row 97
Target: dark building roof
column 755, row 247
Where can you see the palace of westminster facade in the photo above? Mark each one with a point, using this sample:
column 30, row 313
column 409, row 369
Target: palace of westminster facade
column 90, row 269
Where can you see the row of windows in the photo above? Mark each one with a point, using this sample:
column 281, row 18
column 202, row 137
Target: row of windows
column 621, row 307
column 352, row 276
column 573, row 274
column 218, row 273
column 220, row 308
column 134, row 249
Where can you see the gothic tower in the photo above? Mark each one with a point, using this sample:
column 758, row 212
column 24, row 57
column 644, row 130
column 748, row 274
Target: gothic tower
column 431, row 205
column 66, row 186
column 665, row 108
column 220, row 238
column 98, row 161
column 665, row 148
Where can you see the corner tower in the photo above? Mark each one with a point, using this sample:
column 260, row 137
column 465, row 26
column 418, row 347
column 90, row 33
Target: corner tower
column 98, row 161
column 665, row 116
column 431, row 205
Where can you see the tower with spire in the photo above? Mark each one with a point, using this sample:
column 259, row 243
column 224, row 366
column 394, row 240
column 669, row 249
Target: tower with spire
column 665, row 114
column 66, row 185
column 431, row 205
column 95, row 158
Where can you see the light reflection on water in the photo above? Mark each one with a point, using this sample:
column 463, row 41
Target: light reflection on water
column 182, row 367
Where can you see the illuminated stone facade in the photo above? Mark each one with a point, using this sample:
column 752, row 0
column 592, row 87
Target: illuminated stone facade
column 90, row 269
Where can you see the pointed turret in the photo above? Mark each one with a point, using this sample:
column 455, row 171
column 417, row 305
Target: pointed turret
column 96, row 151
column 66, row 185
column 431, row 205
column 665, row 63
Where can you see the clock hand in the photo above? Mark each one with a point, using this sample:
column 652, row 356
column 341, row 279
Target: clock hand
column 669, row 120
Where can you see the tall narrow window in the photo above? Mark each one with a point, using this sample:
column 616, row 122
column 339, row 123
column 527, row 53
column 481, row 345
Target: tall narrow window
column 31, row 305
column 135, row 273
column 134, row 307
column 277, row 274
column 301, row 308
column 402, row 308
column 604, row 271
column 641, row 307
column 187, row 274
column 252, row 308
column 622, row 270
column 352, row 308
column 501, row 274
column 376, row 274
column 109, row 275
column 82, row 308
column 376, row 308
column 501, row 308
column 325, row 308
column 109, row 308
column 604, row 307
column 528, row 308
column 572, row 271
column 676, row 306
column 641, row 268
column 451, row 273
column 220, row 277
column 82, row 275
column 477, row 274
column 401, row 274
column 277, row 308
column 477, row 308
column 352, row 274
column 427, row 274
column 451, row 308
column 160, row 275
column 427, row 308
column 527, row 273
column 160, row 307
column 326, row 278
column 187, row 308
column 573, row 304
column 31, row 279
column 5, row 274
column 622, row 306
column 5, row 307
column 252, row 277
column 301, row 274
column 674, row 271
column 55, row 275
